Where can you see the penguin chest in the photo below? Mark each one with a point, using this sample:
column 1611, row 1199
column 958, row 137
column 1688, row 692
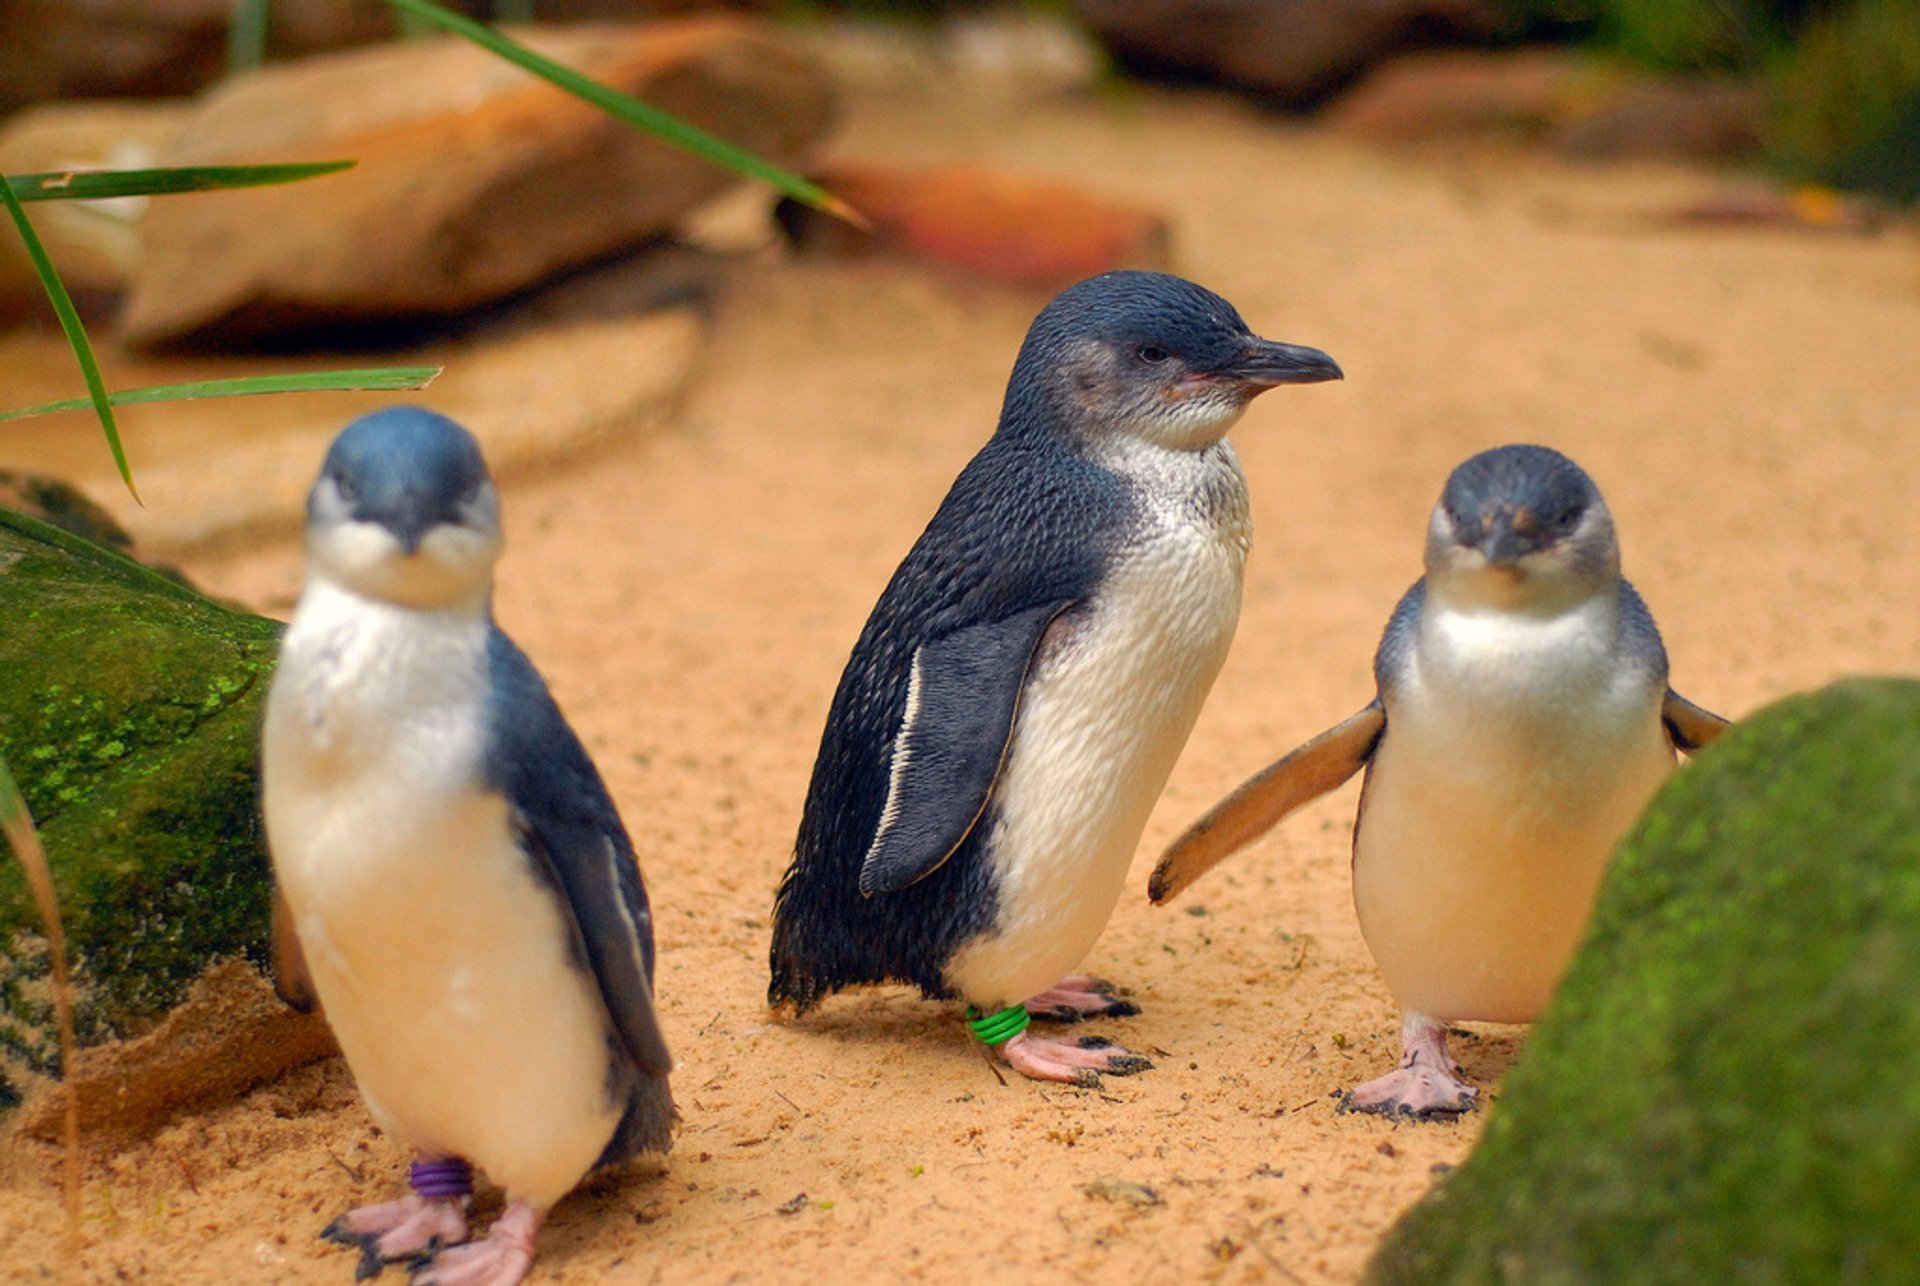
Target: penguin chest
column 1517, row 753
column 1112, row 697
column 443, row 961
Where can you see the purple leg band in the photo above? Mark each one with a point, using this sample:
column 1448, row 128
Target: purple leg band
column 449, row 1178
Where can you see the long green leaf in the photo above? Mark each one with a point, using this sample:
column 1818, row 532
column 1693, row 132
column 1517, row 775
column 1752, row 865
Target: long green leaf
column 662, row 125
column 370, row 379
column 17, row 824
column 76, row 333
column 94, row 185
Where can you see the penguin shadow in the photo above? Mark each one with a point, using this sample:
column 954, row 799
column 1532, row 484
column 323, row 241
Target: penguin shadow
column 1485, row 1052
column 632, row 1193
column 888, row 1027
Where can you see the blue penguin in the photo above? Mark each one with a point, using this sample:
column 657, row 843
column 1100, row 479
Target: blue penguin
column 1521, row 722
column 456, row 888
column 1016, row 701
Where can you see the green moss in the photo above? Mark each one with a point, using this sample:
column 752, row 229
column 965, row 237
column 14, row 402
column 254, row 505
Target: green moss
column 129, row 709
column 1727, row 1087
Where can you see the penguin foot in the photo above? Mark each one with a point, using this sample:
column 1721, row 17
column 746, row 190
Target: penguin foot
column 1423, row 1092
column 1075, row 1062
column 1076, row 998
column 501, row 1258
column 397, row 1230
column 1425, row 1085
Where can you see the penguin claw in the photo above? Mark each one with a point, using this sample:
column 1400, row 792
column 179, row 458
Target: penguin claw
column 396, row 1231
column 1079, row 1062
column 1076, row 998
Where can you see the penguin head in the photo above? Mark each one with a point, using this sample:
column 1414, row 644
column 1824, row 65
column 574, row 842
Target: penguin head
column 1521, row 526
column 404, row 511
column 1146, row 356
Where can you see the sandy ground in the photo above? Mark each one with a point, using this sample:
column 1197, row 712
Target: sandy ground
column 1748, row 400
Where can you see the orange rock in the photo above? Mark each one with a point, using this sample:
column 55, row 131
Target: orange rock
column 1009, row 227
column 474, row 181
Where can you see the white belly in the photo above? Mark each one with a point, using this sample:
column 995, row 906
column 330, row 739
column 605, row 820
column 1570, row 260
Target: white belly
column 442, row 963
column 1513, row 763
column 1103, row 720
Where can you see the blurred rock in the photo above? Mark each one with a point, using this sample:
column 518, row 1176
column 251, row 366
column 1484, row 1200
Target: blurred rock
column 1002, row 54
column 1560, row 97
column 1293, row 52
column 102, row 48
column 165, row 48
column 1422, row 96
column 1005, row 226
column 1704, row 119
column 474, row 179
column 92, row 243
column 1722, row 1088
column 1817, row 209
column 63, row 505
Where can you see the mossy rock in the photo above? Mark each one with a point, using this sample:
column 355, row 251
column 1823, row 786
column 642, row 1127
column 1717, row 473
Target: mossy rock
column 129, row 716
column 1727, row 1087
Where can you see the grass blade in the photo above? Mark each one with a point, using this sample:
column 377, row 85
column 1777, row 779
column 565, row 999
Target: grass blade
column 95, row 185
column 76, row 333
column 370, row 379
column 662, row 125
column 17, row 823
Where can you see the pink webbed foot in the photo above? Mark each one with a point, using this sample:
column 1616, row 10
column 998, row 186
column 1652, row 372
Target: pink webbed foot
column 1425, row 1085
column 1076, row 1062
column 1077, row 997
column 397, row 1230
column 501, row 1258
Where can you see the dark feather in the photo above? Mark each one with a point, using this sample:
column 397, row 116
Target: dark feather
column 570, row 829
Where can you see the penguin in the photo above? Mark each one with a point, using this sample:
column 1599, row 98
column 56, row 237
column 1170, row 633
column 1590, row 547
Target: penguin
column 455, row 886
column 1521, row 721
column 1016, row 700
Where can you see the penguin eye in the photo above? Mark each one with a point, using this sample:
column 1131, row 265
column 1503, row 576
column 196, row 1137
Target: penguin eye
column 348, row 491
column 1152, row 354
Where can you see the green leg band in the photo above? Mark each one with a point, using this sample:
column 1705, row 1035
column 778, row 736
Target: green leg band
column 1000, row 1027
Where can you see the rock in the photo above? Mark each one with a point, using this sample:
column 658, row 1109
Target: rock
column 102, row 48
column 474, row 180
column 558, row 371
column 1698, row 118
column 1293, row 52
column 1006, row 226
column 1421, row 96
column 1723, row 1087
column 129, row 709
column 1572, row 104
column 62, row 505
column 92, row 243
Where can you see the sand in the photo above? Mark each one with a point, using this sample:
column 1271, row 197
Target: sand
column 1749, row 401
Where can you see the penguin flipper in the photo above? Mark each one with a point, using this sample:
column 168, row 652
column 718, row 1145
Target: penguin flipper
column 962, row 696
column 599, row 883
column 1300, row 776
column 1688, row 726
column 567, row 825
column 291, row 981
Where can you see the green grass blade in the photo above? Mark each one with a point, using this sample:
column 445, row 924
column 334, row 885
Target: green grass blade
column 94, row 185
column 370, row 379
column 76, row 333
column 247, row 35
column 662, row 125
column 17, row 824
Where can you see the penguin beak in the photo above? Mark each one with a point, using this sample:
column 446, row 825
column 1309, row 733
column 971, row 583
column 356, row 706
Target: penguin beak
column 1266, row 364
column 1507, row 536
